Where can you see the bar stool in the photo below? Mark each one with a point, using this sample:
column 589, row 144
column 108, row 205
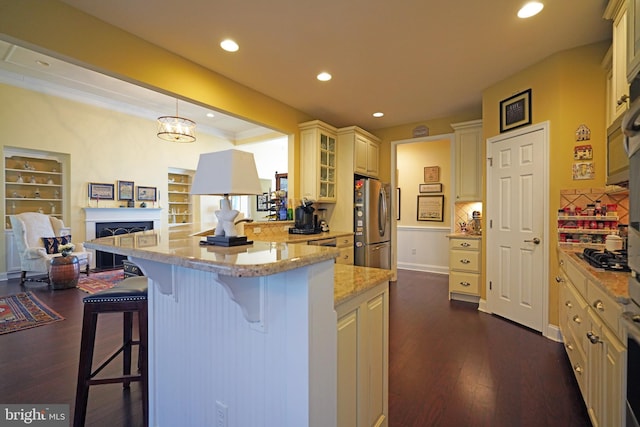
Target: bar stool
column 127, row 297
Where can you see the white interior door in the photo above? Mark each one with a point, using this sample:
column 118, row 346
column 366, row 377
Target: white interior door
column 516, row 226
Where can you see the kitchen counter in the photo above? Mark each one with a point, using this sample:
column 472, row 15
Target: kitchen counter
column 256, row 325
column 302, row 238
column 615, row 284
column 465, row 236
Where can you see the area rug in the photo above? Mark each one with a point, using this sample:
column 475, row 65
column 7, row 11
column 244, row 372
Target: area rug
column 97, row 282
column 24, row 311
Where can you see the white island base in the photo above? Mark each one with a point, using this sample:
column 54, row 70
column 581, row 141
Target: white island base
column 268, row 359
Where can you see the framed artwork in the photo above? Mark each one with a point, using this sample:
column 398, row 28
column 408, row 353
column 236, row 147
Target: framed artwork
column 432, row 174
column 147, row 194
column 125, row 190
column 515, row 111
column 100, row 191
column 431, row 208
column 582, row 152
column 262, row 202
column 126, row 241
column 431, row 188
column 398, row 203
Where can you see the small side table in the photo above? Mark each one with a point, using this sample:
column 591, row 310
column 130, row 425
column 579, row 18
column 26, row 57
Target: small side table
column 64, row 272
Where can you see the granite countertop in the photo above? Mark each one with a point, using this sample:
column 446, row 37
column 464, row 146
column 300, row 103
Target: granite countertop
column 615, row 284
column 350, row 281
column 178, row 246
column 304, row 238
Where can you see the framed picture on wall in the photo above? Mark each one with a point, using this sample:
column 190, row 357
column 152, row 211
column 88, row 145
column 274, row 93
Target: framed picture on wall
column 125, row 190
column 147, row 194
column 515, row 111
column 432, row 174
column 431, row 188
column 431, row 208
column 100, row 191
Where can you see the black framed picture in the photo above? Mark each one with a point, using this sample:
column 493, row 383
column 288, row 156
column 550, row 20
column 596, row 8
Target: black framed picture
column 147, row 194
column 100, row 191
column 431, row 208
column 125, row 190
column 262, row 202
column 515, row 111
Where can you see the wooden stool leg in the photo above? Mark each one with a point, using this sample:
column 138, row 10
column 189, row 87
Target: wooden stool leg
column 143, row 331
column 127, row 338
column 87, row 341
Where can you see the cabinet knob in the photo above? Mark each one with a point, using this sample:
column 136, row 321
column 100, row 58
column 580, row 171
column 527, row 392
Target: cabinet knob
column 593, row 338
column 568, row 304
column 622, row 99
column 559, row 279
column 578, row 368
column 465, row 244
column 465, row 283
column 465, row 261
column 598, row 305
column 569, row 346
column 577, row 319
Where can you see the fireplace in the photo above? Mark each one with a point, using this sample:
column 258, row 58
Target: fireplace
column 104, row 222
column 108, row 260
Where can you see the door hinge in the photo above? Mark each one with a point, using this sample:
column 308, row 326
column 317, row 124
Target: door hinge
column 490, row 223
column 490, row 161
column 490, row 285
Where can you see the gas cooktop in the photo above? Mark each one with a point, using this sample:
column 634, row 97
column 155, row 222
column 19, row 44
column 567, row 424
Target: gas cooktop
column 606, row 260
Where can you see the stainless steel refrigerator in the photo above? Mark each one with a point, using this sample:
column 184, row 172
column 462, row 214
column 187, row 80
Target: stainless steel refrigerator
column 372, row 223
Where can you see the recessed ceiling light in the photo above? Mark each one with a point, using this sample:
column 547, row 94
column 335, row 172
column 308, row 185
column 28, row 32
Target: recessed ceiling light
column 530, row 9
column 210, row 115
column 229, row 45
column 378, row 114
column 324, row 76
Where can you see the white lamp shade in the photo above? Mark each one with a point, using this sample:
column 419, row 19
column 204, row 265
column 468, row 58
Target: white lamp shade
column 231, row 172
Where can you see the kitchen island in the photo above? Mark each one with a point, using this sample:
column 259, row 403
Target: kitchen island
column 243, row 335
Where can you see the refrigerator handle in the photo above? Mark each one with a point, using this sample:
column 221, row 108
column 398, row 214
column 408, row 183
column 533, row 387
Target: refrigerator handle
column 382, row 212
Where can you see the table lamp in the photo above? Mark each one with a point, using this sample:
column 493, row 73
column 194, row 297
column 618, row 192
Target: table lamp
column 226, row 173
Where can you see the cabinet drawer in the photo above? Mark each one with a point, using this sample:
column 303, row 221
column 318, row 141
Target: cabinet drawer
column 472, row 244
column 574, row 310
column 605, row 307
column 578, row 361
column 464, row 260
column 574, row 275
column 468, row 283
column 346, row 256
column 344, row 241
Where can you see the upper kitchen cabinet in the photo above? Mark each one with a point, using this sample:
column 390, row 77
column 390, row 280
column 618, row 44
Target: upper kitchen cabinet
column 617, row 86
column 318, row 150
column 468, row 158
column 365, row 148
column 633, row 39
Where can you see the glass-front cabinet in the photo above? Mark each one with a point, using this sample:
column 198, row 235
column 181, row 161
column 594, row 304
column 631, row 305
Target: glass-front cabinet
column 34, row 182
column 319, row 151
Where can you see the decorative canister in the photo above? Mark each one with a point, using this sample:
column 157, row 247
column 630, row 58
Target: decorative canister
column 64, row 272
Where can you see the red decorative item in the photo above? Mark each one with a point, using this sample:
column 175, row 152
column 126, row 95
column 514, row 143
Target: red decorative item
column 64, row 272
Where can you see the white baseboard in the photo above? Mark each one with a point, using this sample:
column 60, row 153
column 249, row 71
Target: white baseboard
column 464, row 297
column 423, row 267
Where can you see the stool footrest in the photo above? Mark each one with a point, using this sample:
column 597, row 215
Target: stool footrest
column 115, row 380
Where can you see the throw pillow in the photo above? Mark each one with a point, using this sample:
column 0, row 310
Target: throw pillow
column 51, row 243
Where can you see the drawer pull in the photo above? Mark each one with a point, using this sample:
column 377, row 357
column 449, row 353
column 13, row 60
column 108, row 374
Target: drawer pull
column 561, row 262
column 465, row 261
column 559, row 279
column 577, row 319
column 578, row 368
column 465, row 283
column 593, row 338
column 598, row 305
column 569, row 346
column 465, row 244
column 568, row 304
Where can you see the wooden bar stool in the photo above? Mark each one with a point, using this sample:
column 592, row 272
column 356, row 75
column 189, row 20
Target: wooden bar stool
column 127, row 297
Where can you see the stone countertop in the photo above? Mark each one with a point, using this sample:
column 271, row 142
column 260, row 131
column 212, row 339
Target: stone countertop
column 351, row 281
column 615, row 284
column 304, row 238
column 178, row 246
column 464, row 236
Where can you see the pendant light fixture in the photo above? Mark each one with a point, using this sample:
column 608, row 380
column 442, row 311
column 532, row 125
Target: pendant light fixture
column 176, row 128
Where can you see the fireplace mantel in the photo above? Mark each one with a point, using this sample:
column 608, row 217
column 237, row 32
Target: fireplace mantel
column 98, row 215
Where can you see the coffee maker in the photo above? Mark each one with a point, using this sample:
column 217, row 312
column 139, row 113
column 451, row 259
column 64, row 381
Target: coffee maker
column 305, row 220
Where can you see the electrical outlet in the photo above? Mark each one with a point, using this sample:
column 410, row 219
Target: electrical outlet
column 221, row 414
column 413, row 251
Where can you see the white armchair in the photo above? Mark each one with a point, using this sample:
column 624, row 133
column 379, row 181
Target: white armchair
column 29, row 229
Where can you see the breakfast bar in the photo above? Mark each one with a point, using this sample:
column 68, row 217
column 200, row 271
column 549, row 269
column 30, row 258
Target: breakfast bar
column 241, row 335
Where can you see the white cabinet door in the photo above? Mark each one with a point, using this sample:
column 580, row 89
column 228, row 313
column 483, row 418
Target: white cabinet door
column 12, row 257
column 468, row 165
column 348, row 369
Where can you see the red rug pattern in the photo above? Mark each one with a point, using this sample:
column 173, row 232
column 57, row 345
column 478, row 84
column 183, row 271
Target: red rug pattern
column 24, row 311
column 97, row 282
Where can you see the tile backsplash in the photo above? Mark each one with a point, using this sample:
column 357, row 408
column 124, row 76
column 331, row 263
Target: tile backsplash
column 464, row 213
column 584, row 196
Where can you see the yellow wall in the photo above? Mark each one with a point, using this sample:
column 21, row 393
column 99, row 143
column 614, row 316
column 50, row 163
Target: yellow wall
column 568, row 89
column 413, row 158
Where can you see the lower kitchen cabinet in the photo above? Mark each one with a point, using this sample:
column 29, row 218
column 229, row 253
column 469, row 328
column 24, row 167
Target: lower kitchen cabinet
column 593, row 338
column 345, row 244
column 363, row 355
column 465, row 261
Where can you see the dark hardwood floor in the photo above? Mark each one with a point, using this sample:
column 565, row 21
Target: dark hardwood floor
column 450, row 365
